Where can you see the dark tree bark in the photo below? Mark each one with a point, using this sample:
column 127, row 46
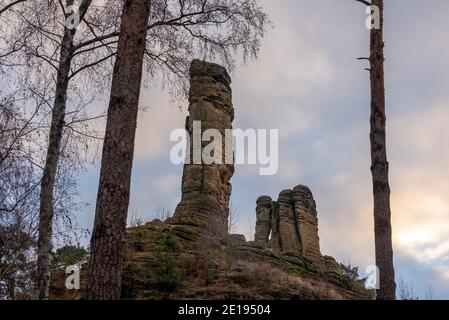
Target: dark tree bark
column 46, row 210
column 379, row 165
column 107, row 244
column 12, row 288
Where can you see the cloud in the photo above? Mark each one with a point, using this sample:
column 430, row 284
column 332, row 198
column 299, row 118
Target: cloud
column 444, row 272
column 154, row 125
column 308, row 84
column 441, row 251
column 164, row 185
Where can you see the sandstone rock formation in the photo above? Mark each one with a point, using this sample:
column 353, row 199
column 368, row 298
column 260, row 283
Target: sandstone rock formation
column 307, row 222
column 263, row 223
column 289, row 237
column 292, row 222
column 206, row 188
column 174, row 259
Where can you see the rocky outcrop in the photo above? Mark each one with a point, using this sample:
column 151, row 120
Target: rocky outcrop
column 206, row 188
column 307, row 222
column 293, row 223
column 289, row 237
column 263, row 223
column 174, row 259
column 157, row 266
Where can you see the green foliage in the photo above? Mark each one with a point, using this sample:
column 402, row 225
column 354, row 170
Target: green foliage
column 210, row 273
column 352, row 272
column 70, row 255
column 168, row 274
column 170, row 242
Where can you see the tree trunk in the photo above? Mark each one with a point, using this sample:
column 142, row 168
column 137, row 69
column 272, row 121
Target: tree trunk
column 12, row 288
column 379, row 165
column 46, row 211
column 107, row 244
column 44, row 245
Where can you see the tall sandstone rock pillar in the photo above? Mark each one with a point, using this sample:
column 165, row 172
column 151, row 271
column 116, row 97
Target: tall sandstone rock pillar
column 307, row 221
column 290, row 239
column 264, row 211
column 206, row 188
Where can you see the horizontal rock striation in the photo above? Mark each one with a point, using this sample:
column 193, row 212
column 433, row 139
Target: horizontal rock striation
column 293, row 223
column 174, row 259
column 307, row 222
column 206, row 188
column 263, row 223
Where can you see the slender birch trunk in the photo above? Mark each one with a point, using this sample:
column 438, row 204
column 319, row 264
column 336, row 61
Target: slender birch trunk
column 44, row 245
column 46, row 209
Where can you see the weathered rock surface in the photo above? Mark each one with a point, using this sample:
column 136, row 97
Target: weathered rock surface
column 293, row 223
column 290, row 239
column 307, row 221
column 275, row 240
column 158, row 266
column 236, row 240
column 204, row 206
column 191, row 255
column 232, row 269
column 263, row 223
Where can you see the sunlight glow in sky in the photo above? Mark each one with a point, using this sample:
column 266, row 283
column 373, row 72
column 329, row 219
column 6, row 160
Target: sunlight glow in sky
column 308, row 84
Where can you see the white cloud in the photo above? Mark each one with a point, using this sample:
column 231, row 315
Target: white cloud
column 444, row 272
column 155, row 124
column 308, row 84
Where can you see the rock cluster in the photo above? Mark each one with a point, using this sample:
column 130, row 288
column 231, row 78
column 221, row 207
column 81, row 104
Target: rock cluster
column 205, row 187
column 174, row 259
column 289, row 224
column 292, row 222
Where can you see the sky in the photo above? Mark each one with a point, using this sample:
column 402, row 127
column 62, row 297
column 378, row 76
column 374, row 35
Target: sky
column 308, row 84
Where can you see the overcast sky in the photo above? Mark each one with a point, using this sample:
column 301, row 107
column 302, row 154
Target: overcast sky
column 308, row 84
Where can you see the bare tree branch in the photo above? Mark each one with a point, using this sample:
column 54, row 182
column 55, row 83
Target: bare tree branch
column 10, row 5
column 366, row 3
